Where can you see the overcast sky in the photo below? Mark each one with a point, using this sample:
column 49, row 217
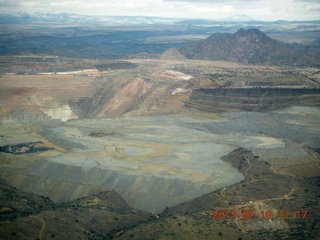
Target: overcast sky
column 211, row 9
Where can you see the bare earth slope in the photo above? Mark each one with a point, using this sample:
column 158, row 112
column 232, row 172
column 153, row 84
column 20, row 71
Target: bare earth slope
column 155, row 86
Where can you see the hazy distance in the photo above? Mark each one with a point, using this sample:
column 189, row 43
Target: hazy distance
column 217, row 9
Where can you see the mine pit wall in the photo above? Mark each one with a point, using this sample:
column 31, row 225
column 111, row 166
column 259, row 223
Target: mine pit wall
column 55, row 135
column 252, row 99
column 62, row 181
column 149, row 193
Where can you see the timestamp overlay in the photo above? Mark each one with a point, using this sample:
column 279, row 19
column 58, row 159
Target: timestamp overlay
column 250, row 214
column 255, row 215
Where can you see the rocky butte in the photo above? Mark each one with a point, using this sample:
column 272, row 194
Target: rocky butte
column 251, row 46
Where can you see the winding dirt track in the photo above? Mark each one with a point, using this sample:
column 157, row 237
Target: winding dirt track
column 43, row 226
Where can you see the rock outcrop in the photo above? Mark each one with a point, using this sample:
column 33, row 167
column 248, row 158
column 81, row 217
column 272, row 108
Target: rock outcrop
column 124, row 99
column 40, row 108
column 251, row 99
column 249, row 46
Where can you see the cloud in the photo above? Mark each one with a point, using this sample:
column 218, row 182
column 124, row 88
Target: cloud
column 214, row 9
column 211, row 1
column 30, row 4
column 9, row 4
column 307, row 1
column 195, row 1
column 21, row 4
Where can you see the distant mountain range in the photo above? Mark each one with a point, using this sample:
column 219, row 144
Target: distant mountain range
column 238, row 18
column 67, row 18
column 231, row 19
column 251, row 46
column 110, row 37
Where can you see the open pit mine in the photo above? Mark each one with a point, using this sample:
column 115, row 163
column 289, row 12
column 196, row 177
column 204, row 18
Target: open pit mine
column 160, row 134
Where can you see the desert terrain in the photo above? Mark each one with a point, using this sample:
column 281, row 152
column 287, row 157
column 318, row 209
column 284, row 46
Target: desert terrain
column 174, row 139
column 146, row 132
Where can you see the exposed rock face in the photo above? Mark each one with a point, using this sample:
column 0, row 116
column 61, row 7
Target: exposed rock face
column 249, row 46
column 150, row 193
column 157, row 87
column 124, row 99
column 251, row 99
column 39, row 108
column 38, row 98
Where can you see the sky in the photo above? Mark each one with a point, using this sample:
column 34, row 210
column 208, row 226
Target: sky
column 266, row 10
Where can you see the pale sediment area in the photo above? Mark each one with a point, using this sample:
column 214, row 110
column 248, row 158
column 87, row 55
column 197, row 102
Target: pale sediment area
column 157, row 162
column 152, row 163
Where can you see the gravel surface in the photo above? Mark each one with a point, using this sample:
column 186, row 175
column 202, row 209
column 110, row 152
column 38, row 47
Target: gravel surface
column 156, row 162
